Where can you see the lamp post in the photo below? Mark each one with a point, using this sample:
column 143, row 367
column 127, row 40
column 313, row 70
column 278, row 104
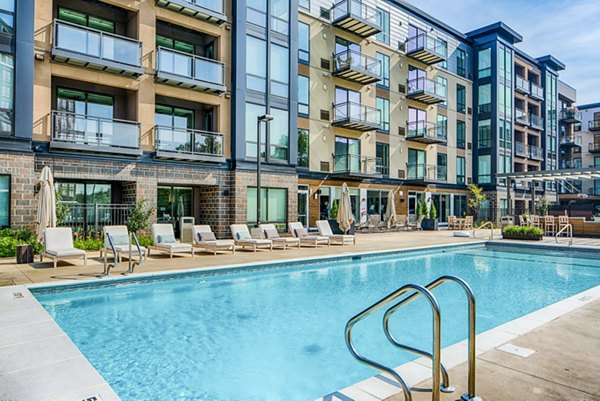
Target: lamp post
column 264, row 118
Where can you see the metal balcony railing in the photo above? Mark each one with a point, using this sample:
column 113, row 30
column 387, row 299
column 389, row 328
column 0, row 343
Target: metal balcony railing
column 568, row 141
column 536, row 121
column 570, row 116
column 356, row 17
column 421, row 131
column 521, row 85
column 537, row 91
column 356, row 116
column 202, row 71
column 91, row 43
column 356, row 165
column 426, row 90
column 521, row 149
column 426, row 172
column 426, row 48
column 185, row 143
column 88, row 218
column 521, row 117
column 358, row 67
column 83, row 132
column 536, row 152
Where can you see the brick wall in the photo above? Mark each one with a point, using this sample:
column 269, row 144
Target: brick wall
column 23, row 179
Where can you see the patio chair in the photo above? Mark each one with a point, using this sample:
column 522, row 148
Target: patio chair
column 416, row 224
column 242, row 237
column 59, row 246
column 164, row 241
column 402, row 222
column 342, row 239
column 205, row 239
column 452, row 223
column 305, row 238
column 562, row 222
column 549, row 225
column 121, row 240
column 374, row 223
column 271, row 233
column 522, row 221
column 468, row 223
column 534, row 221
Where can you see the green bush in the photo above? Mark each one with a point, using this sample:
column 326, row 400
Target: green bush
column 432, row 211
column 533, row 231
column 88, row 244
column 139, row 217
column 9, row 239
column 145, row 240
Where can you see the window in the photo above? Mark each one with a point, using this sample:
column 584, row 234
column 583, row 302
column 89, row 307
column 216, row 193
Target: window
column 485, row 98
column 252, row 113
column 442, row 126
column 273, row 205
column 256, row 13
column 460, row 170
column 168, row 116
column 485, row 169
column 596, row 161
column 442, row 166
column 442, row 44
column 484, row 134
column 443, row 82
column 382, row 152
column 87, row 20
column 256, row 68
column 485, row 63
column 303, row 146
column 279, row 134
column 7, row 77
column 461, row 63
column 4, row 201
column 343, row 95
column 385, row 69
column 7, row 16
column 377, row 202
column 461, row 101
column 174, row 202
column 416, row 164
column 383, row 107
column 174, row 44
column 347, row 154
column 84, row 103
column 460, row 134
column 303, row 95
column 383, row 20
column 460, row 205
column 280, row 16
column 280, row 71
column 305, row 4
column 303, row 43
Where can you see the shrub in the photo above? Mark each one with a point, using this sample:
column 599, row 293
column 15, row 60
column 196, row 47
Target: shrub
column 9, row 239
column 525, row 231
column 88, row 244
column 432, row 211
column 139, row 217
column 145, row 240
column 334, row 209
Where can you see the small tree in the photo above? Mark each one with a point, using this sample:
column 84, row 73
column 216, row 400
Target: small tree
column 334, row 209
column 432, row 211
column 421, row 208
column 62, row 211
column 542, row 207
column 476, row 198
column 139, row 217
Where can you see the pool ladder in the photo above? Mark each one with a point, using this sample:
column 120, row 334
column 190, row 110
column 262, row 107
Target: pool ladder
column 441, row 381
column 132, row 263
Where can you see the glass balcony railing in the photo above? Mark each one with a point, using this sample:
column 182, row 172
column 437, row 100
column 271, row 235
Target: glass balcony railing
column 355, row 66
column 421, row 131
column 537, row 91
column 521, row 85
column 521, row 117
column 188, row 143
column 426, row 48
column 570, row 116
column 355, row 115
column 426, row 172
column 536, row 121
column 521, row 149
column 426, row 90
column 190, row 67
column 92, row 43
column 83, row 132
column 356, row 165
column 536, row 152
column 356, row 17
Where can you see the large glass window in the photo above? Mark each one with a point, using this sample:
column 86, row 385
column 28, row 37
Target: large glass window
column 305, row 4
column 460, row 170
column 256, row 68
column 382, row 151
column 383, row 106
column 273, row 205
column 175, row 44
column 303, row 42
column 485, row 63
column 252, row 113
column 176, row 117
column 4, row 201
column 84, row 193
column 257, row 13
column 442, row 44
column 84, row 19
column 84, row 103
column 173, row 203
column 416, row 164
column 460, row 134
column 484, row 134
column 279, row 134
column 443, row 82
column 383, row 19
column 442, row 166
column 385, row 69
column 461, row 98
column 280, row 70
column 461, row 62
column 485, row 169
column 485, row 98
column 303, row 147
column 347, row 154
column 280, row 16
column 377, row 203
column 303, row 95
column 7, row 16
column 7, row 77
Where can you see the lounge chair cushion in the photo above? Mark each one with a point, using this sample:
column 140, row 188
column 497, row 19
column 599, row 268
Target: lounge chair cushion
column 176, row 246
column 120, row 239
column 271, row 233
column 65, row 252
column 166, row 239
column 300, row 233
column 125, row 249
column 206, row 237
column 243, row 235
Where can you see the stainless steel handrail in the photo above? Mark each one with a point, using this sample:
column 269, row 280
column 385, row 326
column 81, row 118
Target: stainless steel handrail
column 417, row 289
column 107, row 265
column 470, row 396
column 132, row 264
column 569, row 229
column 481, row 227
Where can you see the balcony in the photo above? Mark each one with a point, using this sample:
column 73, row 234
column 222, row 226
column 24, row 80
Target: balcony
column 418, row 131
column 426, row 172
column 426, row 49
column 594, row 125
column 188, row 144
column 536, row 153
column 521, row 117
column 94, row 134
column 425, row 90
column 86, row 47
column 537, row 92
column 356, row 117
column 356, row 166
column 594, row 148
column 356, row 67
column 565, row 165
column 189, row 71
column 521, row 149
column 207, row 10
column 570, row 116
column 568, row 141
column 522, row 85
column 355, row 17
column 536, row 122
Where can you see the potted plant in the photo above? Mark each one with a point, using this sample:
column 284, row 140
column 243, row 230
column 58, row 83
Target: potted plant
column 430, row 222
column 522, row 233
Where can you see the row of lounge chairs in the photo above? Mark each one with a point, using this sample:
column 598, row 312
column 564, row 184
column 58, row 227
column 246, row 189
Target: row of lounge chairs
column 121, row 243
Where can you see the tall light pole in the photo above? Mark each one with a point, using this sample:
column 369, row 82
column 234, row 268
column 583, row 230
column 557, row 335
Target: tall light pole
column 260, row 119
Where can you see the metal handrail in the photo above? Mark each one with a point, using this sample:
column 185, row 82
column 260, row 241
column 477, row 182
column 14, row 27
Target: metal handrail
column 569, row 228
column 481, row 227
column 107, row 265
column 194, row 71
column 436, row 336
column 132, row 263
column 470, row 395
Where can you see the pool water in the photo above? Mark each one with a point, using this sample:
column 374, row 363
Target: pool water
column 278, row 333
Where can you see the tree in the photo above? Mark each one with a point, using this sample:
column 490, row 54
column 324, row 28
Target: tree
column 334, row 209
column 432, row 211
column 62, row 211
column 139, row 217
column 542, row 207
column 422, row 208
column 477, row 197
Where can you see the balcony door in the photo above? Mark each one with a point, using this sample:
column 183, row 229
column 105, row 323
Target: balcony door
column 347, row 104
column 417, row 122
column 416, row 164
column 341, row 45
column 172, row 128
column 347, row 154
column 83, row 117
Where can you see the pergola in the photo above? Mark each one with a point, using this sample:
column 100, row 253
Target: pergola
column 560, row 176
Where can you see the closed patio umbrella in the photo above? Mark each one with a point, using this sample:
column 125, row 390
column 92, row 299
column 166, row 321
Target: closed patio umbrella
column 345, row 218
column 46, row 216
column 390, row 210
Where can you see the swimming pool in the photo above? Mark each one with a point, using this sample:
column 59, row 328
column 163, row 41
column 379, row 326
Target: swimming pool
column 277, row 333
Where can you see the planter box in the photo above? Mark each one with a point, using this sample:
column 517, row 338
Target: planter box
column 335, row 227
column 524, row 237
column 430, row 224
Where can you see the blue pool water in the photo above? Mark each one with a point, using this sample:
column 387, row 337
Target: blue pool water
column 278, row 334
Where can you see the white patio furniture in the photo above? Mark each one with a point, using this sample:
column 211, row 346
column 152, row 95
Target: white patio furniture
column 341, row 239
column 59, row 246
column 205, row 239
column 270, row 232
column 241, row 236
column 305, row 238
column 164, row 241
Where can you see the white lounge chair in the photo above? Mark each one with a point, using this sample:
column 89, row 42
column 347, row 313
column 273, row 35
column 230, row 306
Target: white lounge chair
column 122, row 243
column 205, row 239
column 270, row 232
column 58, row 244
column 242, row 237
column 305, row 238
column 325, row 230
column 164, row 241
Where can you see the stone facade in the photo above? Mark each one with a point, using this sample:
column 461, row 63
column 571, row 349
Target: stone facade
column 23, row 180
